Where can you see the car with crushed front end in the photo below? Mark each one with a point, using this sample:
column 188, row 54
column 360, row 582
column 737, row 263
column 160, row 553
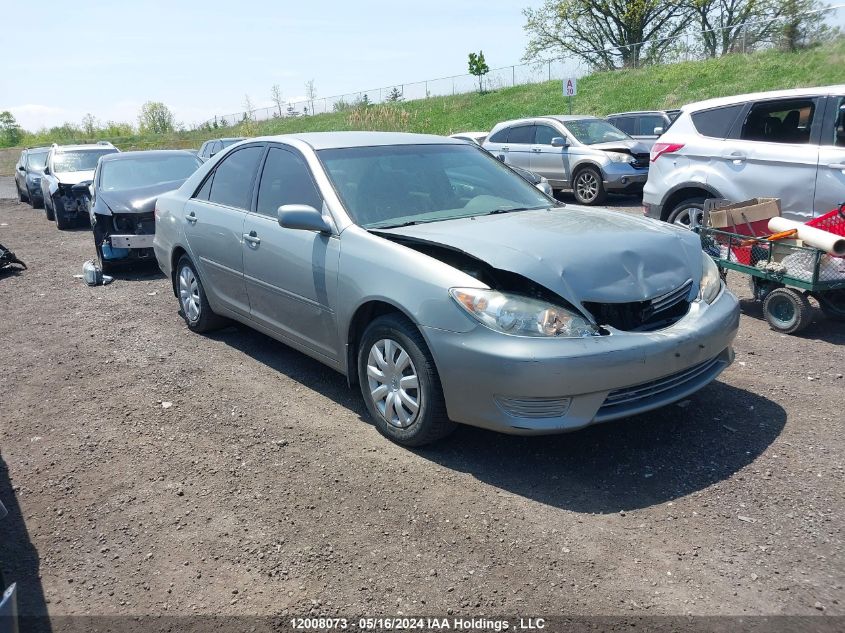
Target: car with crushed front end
column 582, row 153
column 443, row 284
column 64, row 183
column 28, row 172
column 123, row 195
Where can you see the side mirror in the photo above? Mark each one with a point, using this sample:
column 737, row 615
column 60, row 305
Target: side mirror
column 302, row 217
column 21, row 168
column 46, row 170
column 559, row 141
column 658, row 131
column 500, row 157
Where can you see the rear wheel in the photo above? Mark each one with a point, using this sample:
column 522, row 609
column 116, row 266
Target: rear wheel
column 787, row 310
column 588, row 186
column 833, row 304
column 400, row 384
column 688, row 214
column 195, row 307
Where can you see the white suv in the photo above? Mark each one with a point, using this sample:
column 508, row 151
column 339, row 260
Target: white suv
column 788, row 144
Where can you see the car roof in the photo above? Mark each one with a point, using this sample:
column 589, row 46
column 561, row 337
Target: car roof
column 149, row 153
column 562, row 118
column 338, row 140
column 639, row 112
column 37, row 149
column 87, row 146
column 773, row 94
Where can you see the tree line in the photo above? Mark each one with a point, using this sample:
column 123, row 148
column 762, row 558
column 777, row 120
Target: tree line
column 610, row 34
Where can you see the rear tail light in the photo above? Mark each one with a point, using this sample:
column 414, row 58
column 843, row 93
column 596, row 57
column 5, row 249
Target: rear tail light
column 658, row 149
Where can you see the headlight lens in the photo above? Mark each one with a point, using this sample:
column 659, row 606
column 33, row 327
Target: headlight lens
column 619, row 157
column 711, row 282
column 521, row 316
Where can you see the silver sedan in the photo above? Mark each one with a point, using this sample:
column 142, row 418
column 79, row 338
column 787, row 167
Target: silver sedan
column 443, row 285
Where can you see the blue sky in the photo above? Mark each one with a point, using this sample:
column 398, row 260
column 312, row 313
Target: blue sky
column 202, row 57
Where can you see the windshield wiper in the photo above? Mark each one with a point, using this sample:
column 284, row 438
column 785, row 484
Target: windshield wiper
column 397, row 226
column 510, row 209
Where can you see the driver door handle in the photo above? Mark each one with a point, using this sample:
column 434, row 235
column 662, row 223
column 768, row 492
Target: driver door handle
column 252, row 238
column 191, row 217
column 536, row 149
column 737, row 157
column 506, row 148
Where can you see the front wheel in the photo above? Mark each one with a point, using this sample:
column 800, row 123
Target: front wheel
column 588, row 186
column 21, row 195
column 787, row 310
column 195, row 307
column 688, row 214
column 62, row 221
column 400, row 384
column 48, row 209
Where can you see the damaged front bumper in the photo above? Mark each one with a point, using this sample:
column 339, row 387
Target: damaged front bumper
column 523, row 385
column 123, row 237
column 624, row 178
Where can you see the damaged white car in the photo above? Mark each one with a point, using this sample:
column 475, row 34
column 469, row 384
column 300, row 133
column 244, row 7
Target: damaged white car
column 64, row 184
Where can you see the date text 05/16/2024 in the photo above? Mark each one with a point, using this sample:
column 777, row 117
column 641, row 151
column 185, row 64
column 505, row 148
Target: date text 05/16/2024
column 416, row 623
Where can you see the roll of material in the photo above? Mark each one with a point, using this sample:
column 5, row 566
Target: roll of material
column 823, row 240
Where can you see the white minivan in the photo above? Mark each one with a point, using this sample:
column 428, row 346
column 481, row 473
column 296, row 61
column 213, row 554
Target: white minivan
column 788, row 144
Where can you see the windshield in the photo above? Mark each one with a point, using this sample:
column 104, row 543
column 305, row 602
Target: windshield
column 394, row 185
column 592, row 131
column 36, row 160
column 145, row 171
column 84, row 160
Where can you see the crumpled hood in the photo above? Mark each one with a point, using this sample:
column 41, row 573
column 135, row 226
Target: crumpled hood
column 581, row 254
column 138, row 199
column 74, row 177
column 631, row 145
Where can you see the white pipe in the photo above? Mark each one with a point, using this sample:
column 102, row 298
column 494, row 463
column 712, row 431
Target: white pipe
column 811, row 236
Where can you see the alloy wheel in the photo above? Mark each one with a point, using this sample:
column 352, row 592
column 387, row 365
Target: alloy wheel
column 393, row 383
column 689, row 217
column 587, row 186
column 189, row 294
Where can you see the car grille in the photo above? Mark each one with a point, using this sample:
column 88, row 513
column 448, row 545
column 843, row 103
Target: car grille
column 640, row 161
column 644, row 316
column 625, row 401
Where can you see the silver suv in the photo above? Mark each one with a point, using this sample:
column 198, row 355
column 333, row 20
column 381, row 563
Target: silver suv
column 582, row 153
column 788, row 144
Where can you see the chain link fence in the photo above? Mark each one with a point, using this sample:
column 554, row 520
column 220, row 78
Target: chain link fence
column 691, row 46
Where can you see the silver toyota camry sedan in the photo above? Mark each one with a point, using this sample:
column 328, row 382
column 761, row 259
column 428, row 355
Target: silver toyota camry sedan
column 443, row 285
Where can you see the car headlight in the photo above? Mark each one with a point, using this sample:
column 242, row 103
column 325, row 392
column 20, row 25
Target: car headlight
column 521, row 316
column 711, row 281
column 619, row 157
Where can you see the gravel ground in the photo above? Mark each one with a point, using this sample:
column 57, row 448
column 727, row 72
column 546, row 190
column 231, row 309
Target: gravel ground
column 151, row 470
column 7, row 188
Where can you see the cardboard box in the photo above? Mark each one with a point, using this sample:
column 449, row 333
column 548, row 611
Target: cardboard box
column 736, row 217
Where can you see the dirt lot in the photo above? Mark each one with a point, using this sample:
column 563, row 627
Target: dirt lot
column 263, row 490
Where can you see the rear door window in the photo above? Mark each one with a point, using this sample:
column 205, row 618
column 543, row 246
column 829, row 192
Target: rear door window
column 234, row 178
column 624, row 123
column 716, row 122
column 780, row 121
column 522, row 134
column 501, row 136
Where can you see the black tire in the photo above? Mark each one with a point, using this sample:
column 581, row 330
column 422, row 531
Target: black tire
column 35, row 203
column 832, row 304
column 588, row 186
column 205, row 320
column 62, row 222
column 680, row 213
column 21, row 196
column 430, row 422
column 48, row 209
column 105, row 265
column 787, row 310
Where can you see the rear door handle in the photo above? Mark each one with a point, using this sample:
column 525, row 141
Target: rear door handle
column 536, row 149
column 837, row 165
column 252, row 238
column 191, row 217
column 737, row 157
column 506, row 149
